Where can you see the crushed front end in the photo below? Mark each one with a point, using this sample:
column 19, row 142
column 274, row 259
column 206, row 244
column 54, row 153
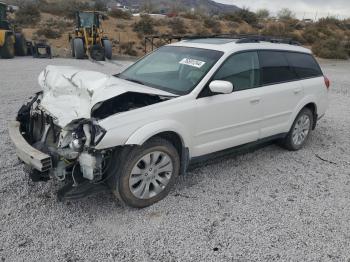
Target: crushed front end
column 67, row 154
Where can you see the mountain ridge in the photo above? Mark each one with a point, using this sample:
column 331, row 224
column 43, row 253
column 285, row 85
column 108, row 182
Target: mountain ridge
column 207, row 5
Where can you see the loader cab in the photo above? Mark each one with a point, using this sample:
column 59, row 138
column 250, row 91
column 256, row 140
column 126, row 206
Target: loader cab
column 87, row 19
column 4, row 24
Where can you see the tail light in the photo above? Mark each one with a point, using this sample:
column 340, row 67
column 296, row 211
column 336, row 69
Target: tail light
column 327, row 82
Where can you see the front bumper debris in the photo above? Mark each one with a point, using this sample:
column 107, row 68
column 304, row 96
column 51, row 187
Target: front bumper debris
column 28, row 154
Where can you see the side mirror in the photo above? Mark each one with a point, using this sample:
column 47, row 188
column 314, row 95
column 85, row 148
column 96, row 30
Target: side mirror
column 221, row 87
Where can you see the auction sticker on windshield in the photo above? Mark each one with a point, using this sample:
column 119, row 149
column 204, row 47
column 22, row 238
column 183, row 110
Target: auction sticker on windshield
column 192, row 62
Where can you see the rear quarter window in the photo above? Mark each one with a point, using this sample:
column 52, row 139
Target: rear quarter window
column 275, row 68
column 304, row 65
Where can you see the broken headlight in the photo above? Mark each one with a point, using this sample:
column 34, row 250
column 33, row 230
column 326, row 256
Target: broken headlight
column 97, row 133
column 80, row 135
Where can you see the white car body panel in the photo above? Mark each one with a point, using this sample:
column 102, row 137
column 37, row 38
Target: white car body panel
column 205, row 125
column 221, row 122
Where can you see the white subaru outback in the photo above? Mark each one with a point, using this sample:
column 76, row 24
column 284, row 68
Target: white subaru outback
column 135, row 132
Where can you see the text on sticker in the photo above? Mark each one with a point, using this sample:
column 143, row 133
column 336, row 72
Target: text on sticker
column 192, row 62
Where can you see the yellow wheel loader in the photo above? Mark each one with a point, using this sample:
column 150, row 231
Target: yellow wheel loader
column 88, row 39
column 11, row 43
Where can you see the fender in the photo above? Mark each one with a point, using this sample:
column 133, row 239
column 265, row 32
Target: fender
column 146, row 132
column 310, row 99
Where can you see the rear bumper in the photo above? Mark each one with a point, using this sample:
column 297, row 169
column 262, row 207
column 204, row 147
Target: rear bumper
column 28, row 154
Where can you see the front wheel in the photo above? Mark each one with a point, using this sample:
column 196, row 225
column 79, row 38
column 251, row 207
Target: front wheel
column 146, row 174
column 78, row 47
column 300, row 131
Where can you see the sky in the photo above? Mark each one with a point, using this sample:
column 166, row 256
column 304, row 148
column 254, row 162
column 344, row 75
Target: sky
column 302, row 8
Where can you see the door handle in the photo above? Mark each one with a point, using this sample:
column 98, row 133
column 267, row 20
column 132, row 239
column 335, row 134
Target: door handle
column 297, row 91
column 255, row 101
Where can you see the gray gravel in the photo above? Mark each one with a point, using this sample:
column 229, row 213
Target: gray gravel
column 270, row 204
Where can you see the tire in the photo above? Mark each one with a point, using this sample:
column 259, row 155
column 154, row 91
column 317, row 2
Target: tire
column 97, row 53
column 143, row 189
column 300, row 131
column 8, row 49
column 108, row 48
column 72, row 47
column 79, row 49
column 20, row 45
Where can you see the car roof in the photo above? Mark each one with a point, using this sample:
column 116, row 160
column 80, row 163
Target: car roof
column 228, row 45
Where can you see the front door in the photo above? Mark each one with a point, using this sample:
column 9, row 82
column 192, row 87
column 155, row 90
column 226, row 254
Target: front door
column 227, row 120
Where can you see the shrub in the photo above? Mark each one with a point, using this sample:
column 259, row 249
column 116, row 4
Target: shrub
column 28, row 14
column 120, row 14
column 128, row 48
column 177, row 25
column 100, row 5
column 311, row 35
column 263, row 14
column 199, row 29
column 145, row 26
column 330, row 21
column 189, row 15
column 246, row 15
column 211, row 23
column 285, row 14
column 275, row 29
column 330, row 48
column 49, row 33
column 232, row 17
column 64, row 8
column 242, row 15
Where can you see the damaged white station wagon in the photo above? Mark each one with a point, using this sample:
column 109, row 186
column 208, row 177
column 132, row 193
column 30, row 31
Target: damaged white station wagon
column 137, row 131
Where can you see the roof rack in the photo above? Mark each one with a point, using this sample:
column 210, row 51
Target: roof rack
column 245, row 39
column 271, row 39
column 240, row 39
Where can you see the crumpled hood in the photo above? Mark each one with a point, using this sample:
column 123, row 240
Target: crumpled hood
column 70, row 93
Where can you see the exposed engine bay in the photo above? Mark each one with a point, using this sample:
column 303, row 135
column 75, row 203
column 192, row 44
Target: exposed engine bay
column 73, row 157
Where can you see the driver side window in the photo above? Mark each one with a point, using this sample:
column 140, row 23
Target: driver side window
column 242, row 70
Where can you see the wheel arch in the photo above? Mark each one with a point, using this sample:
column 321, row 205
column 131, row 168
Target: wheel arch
column 169, row 130
column 308, row 102
column 313, row 107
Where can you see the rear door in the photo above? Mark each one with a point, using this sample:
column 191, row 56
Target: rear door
column 282, row 92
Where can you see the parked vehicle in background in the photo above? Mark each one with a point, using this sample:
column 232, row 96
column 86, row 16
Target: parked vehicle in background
column 11, row 43
column 139, row 130
column 88, row 39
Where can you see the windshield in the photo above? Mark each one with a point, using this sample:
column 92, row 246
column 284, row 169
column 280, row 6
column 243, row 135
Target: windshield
column 87, row 19
column 173, row 69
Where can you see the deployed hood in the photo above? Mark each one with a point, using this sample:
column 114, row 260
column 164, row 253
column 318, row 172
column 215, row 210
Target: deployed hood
column 70, row 93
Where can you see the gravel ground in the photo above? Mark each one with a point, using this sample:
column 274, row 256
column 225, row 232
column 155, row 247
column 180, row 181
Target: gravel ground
column 270, row 204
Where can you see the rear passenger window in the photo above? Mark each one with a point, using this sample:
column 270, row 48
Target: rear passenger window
column 304, row 65
column 275, row 68
column 242, row 70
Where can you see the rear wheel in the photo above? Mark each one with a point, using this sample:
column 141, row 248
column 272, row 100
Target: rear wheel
column 79, row 50
column 147, row 173
column 8, row 49
column 300, row 131
column 20, row 45
column 108, row 48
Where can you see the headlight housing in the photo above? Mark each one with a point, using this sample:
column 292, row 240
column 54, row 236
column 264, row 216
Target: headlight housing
column 97, row 134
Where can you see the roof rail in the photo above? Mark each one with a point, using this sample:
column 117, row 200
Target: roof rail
column 271, row 39
column 245, row 39
column 240, row 39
